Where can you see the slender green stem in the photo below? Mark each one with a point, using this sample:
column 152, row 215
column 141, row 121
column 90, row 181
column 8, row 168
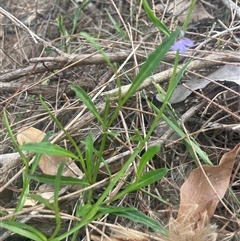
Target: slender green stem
column 26, row 181
column 188, row 18
column 66, row 133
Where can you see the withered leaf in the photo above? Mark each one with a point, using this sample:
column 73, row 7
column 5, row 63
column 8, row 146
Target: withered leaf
column 48, row 164
column 198, row 196
column 29, row 134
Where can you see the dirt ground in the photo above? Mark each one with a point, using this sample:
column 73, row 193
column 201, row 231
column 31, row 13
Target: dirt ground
column 39, row 62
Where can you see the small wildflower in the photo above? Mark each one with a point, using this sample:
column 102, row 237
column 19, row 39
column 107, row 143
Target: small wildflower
column 182, row 45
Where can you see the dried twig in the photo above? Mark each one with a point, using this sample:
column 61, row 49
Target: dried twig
column 51, row 63
column 232, row 6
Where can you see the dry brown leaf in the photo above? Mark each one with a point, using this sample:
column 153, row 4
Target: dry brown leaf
column 48, row 164
column 29, row 134
column 181, row 8
column 197, row 195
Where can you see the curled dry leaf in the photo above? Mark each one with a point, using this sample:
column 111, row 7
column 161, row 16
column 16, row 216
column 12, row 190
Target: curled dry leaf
column 200, row 194
column 48, row 164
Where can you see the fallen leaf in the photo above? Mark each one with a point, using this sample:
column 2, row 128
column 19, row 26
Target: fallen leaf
column 225, row 73
column 181, row 8
column 48, row 164
column 198, row 196
column 29, row 134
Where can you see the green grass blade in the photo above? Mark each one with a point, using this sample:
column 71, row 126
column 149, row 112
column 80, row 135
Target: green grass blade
column 161, row 26
column 134, row 215
column 61, row 26
column 56, row 195
column 60, row 126
column 89, row 155
column 189, row 145
column 57, row 182
column 98, row 47
column 82, row 95
column 47, row 149
column 145, row 180
column 37, row 157
column 25, row 188
column 23, row 230
column 147, row 156
column 173, row 84
column 83, row 210
column 151, row 64
column 117, row 27
column 76, row 18
column 50, row 179
column 42, row 200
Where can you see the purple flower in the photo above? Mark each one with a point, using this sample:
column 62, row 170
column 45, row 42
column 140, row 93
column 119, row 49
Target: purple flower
column 182, row 45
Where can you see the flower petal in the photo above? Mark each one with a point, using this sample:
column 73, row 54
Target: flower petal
column 187, row 42
column 182, row 45
column 176, row 46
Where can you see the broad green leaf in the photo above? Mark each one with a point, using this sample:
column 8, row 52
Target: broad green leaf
column 134, row 215
column 82, row 95
column 23, row 230
column 47, row 149
column 146, row 179
column 147, row 156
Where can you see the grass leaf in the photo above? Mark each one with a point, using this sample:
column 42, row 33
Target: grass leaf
column 147, row 156
column 82, row 95
column 160, row 25
column 134, row 215
column 151, row 64
column 117, row 27
column 23, row 230
column 47, row 149
column 98, row 47
column 50, row 179
column 146, row 179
